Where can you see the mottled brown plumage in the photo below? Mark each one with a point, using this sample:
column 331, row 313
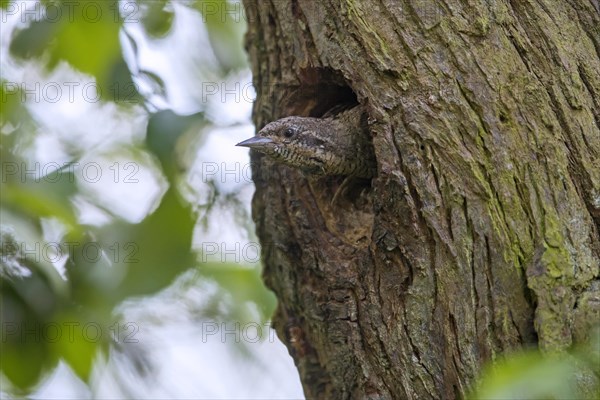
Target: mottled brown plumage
column 334, row 145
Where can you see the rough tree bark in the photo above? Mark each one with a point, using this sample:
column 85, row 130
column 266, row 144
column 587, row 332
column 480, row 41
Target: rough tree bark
column 480, row 233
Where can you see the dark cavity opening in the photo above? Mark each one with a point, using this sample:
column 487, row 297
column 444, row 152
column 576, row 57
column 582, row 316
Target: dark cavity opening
column 320, row 90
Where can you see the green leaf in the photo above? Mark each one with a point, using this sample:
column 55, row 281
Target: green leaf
column 79, row 342
column 225, row 31
column 157, row 17
column 35, row 204
column 85, row 34
column 531, row 375
column 24, row 363
column 139, row 259
column 244, row 284
column 119, row 87
column 25, row 354
column 90, row 41
column 164, row 130
column 159, row 248
column 33, row 40
column 11, row 106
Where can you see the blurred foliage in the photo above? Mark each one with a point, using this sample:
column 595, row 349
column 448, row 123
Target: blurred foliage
column 84, row 34
column 531, row 375
column 223, row 19
column 157, row 17
column 37, row 299
column 12, row 110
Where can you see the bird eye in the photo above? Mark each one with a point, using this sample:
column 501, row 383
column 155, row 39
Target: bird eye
column 288, row 133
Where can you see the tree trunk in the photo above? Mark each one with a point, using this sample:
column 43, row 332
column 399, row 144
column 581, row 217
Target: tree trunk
column 480, row 233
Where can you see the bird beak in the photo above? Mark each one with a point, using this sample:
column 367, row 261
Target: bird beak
column 256, row 142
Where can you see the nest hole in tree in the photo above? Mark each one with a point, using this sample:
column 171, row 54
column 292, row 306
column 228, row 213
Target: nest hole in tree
column 320, row 90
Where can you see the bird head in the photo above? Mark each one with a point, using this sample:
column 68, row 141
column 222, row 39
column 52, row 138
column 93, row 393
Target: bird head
column 293, row 140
